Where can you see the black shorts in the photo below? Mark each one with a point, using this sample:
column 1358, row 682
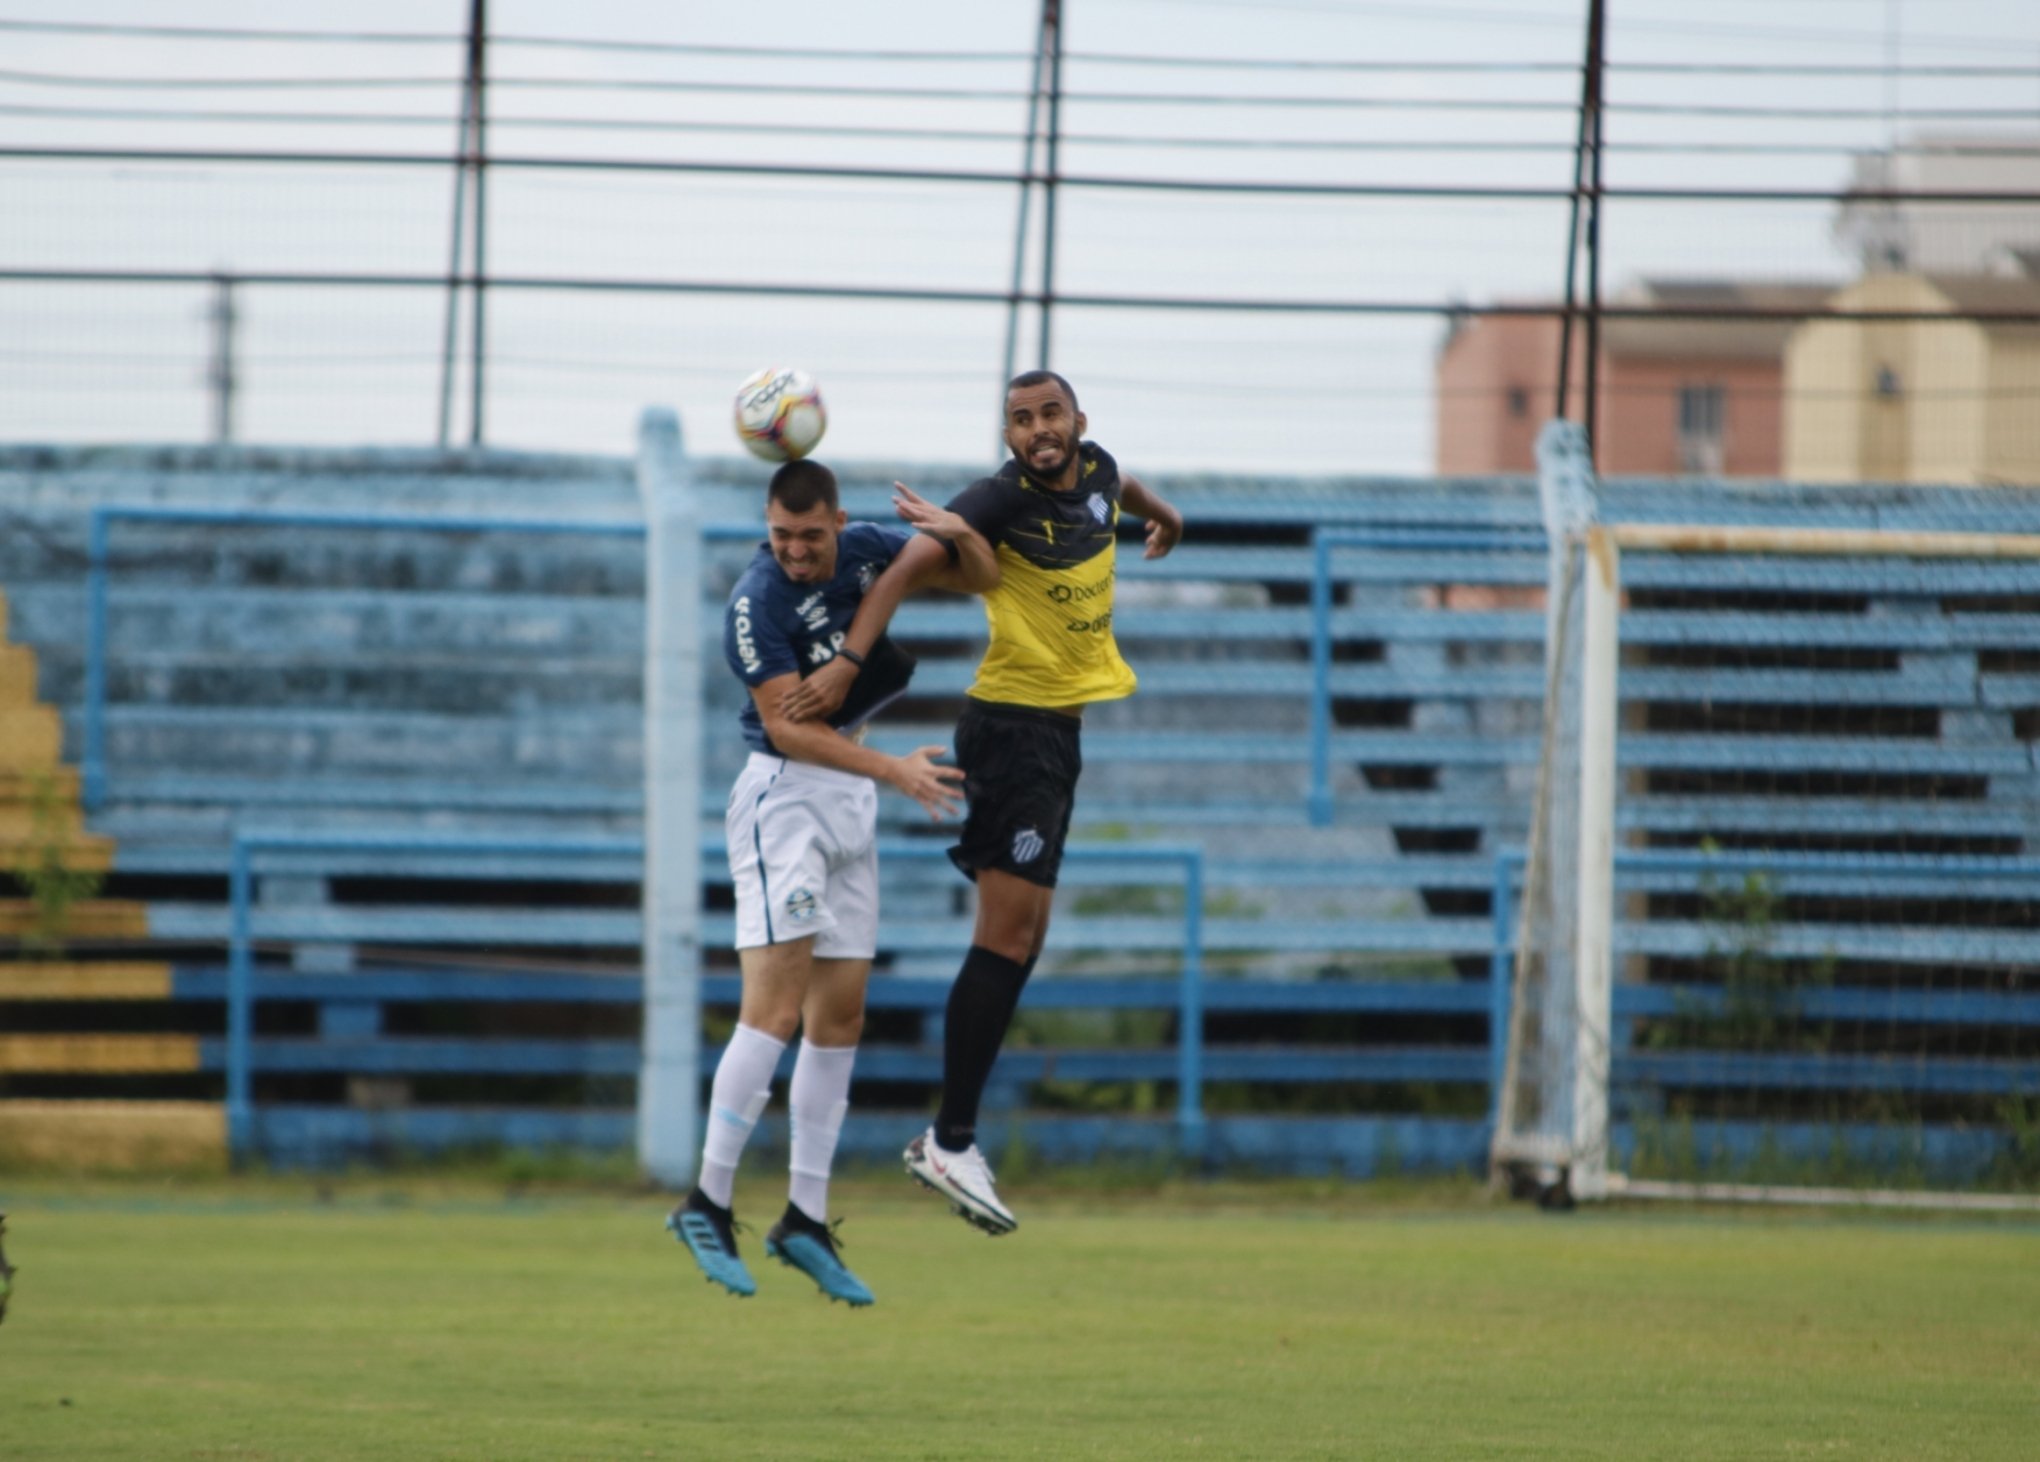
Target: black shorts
column 1020, row 768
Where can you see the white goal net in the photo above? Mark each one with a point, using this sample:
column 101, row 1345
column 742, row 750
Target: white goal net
column 1780, row 912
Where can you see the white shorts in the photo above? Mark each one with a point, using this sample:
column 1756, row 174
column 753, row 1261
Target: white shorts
column 804, row 857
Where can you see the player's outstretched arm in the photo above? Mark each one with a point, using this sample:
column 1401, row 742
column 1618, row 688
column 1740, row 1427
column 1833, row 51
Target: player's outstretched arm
column 920, row 562
column 1164, row 522
column 975, row 568
column 938, row 789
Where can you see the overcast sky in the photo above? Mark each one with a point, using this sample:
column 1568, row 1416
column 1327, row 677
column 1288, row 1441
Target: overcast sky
column 1204, row 390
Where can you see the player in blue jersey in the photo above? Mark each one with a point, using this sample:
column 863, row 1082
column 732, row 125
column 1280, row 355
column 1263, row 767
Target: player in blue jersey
column 802, row 825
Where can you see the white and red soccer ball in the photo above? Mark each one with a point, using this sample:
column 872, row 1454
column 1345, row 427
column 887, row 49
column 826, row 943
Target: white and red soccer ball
column 780, row 415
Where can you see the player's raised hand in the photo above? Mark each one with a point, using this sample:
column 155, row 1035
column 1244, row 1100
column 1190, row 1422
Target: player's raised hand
column 927, row 516
column 819, row 694
column 1164, row 532
column 938, row 789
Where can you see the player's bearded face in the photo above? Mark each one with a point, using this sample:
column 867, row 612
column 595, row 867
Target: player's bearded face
column 1042, row 430
column 804, row 544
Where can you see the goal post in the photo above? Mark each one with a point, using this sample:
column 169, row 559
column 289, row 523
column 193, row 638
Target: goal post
column 1551, row 1129
column 1779, row 925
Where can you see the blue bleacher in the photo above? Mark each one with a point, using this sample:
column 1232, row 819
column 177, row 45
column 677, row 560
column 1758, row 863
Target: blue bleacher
column 380, row 679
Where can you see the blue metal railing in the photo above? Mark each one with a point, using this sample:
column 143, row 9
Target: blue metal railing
column 247, row 846
column 1323, row 542
column 93, row 770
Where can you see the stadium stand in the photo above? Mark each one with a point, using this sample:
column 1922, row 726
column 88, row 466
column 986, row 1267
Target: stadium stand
column 488, row 683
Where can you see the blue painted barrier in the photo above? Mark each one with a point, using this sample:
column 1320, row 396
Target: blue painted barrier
column 93, row 771
column 1406, row 540
column 242, row 991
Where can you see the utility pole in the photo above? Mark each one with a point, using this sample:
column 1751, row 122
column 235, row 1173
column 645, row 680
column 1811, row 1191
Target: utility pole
column 1020, row 228
column 478, row 72
column 1051, row 25
column 220, row 373
column 1586, row 200
column 470, row 150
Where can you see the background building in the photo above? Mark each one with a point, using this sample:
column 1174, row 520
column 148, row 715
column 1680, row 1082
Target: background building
column 1678, row 396
column 1926, row 236
column 1911, row 400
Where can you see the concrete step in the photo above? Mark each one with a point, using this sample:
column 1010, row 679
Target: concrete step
column 25, row 788
column 95, row 1134
column 30, row 736
column 80, row 852
column 98, row 1055
column 87, row 919
column 17, row 675
column 69, row 980
column 37, row 821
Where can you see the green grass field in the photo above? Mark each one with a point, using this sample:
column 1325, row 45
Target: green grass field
column 439, row 1320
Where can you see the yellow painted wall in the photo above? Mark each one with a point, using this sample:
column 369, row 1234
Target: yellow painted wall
column 2012, row 439
column 1949, row 400
column 1967, row 408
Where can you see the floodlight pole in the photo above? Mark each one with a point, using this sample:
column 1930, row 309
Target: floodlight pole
column 1586, row 198
column 478, row 75
column 1051, row 26
column 1020, row 229
column 1596, row 76
column 221, row 373
column 452, row 324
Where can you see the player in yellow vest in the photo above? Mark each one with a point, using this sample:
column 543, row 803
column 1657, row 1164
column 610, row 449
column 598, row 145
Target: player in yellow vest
column 1050, row 515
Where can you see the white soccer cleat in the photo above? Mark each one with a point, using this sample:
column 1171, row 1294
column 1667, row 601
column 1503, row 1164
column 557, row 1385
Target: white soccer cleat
column 964, row 1178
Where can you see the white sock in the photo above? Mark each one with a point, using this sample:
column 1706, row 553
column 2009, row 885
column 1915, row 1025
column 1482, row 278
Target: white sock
column 742, row 1086
column 816, row 1100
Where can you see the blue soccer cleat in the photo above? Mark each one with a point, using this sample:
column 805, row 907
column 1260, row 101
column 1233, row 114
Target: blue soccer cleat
column 710, row 1233
column 800, row 1243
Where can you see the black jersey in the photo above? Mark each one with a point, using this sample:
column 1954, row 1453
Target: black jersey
column 1050, row 616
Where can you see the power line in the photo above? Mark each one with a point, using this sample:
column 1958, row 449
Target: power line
column 1192, row 99
column 1402, row 145
column 231, row 33
column 1114, row 58
column 930, row 294
column 1257, row 187
column 666, row 48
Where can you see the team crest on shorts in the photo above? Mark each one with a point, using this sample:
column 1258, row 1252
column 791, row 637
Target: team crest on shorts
column 1027, row 845
column 1098, row 508
column 800, row 906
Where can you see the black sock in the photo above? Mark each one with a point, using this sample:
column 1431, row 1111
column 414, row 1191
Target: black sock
column 980, row 1008
column 700, row 1202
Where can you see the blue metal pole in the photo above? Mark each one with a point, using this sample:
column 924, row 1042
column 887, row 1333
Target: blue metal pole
column 1501, row 965
column 1190, row 1012
column 240, row 999
column 93, row 791
column 1320, row 680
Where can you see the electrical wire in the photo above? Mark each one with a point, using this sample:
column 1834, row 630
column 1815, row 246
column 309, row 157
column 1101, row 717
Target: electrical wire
column 1404, row 66
column 955, row 135
column 1172, row 99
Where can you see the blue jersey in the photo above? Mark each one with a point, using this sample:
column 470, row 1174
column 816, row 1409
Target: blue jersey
column 776, row 627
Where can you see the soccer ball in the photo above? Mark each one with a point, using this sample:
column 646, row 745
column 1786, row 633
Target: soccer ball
column 780, row 414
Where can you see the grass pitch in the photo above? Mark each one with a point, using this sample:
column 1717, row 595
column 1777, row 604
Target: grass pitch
column 421, row 1320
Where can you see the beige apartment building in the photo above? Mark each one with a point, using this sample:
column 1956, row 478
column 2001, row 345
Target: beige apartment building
column 1918, row 400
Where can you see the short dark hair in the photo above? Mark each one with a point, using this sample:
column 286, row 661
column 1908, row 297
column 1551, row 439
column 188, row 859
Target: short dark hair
column 1043, row 378
column 800, row 486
